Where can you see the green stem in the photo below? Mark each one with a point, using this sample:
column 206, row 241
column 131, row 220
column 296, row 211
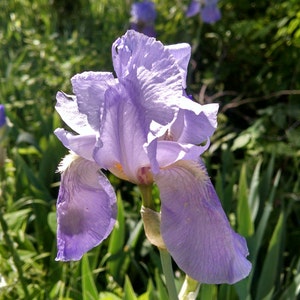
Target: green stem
column 152, row 230
column 146, row 192
column 166, row 262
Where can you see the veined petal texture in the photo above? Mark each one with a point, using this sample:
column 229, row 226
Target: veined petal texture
column 182, row 54
column 194, row 124
column 195, row 228
column 67, row 108
column 150, row 74
column 82, row 145
column 86, row 208
column 89, row 88
column 124, row 135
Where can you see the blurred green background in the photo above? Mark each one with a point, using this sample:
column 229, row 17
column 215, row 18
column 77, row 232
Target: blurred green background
column 248, row 62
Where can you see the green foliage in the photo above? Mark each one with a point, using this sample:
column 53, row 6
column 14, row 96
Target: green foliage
column 248, row 62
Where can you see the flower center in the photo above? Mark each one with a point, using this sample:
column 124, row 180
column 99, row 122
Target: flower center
column 144, row 176
column 117, row 170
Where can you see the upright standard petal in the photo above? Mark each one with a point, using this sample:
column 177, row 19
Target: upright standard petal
column 182, row 54
column 123, row 136
column 195, row 228
column 90, row 88
column 150, row 74
column 86, row 208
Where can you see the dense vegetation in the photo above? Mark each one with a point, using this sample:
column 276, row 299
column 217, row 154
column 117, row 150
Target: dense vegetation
column 248, row 62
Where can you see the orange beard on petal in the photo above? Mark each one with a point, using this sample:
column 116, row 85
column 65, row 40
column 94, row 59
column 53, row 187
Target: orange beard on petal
column 118, row 171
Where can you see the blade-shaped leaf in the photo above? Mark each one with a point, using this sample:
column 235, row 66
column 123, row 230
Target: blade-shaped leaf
column 269, row 272
column 116, row 244
column 245, row 224
column 89, row 290
column 128, row 290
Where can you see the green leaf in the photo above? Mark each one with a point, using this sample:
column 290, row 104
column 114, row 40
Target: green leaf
column 293, row 290
column 108, row 296
column 116, row 245
column 15, row 220
column 162, row 292
column 257, row 239
column 245, row 224
column 128, row 290
column 269, row 271
column 89, row 290
column 208, row 291
column 51, row 219
column 149, row 294
column 241, row 141
column 254, row 198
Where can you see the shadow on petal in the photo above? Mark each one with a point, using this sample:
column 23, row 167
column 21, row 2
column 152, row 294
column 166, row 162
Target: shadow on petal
column 86, row 209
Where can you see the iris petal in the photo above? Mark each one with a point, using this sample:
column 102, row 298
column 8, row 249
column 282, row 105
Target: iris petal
column 169, row 152
column 82, row 145
column 86, row 209
column 195, row 228
column 195, row 124
column 123, row 136
column 89, row 88
column 211, row 13
column 67, row 108
column 194, row 8
column 150, row 74
column 182, row 53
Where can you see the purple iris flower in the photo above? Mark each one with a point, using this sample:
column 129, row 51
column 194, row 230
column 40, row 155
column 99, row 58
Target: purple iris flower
column 143, row 15
column 208, row 9
column 144, row 129
column 2, row 116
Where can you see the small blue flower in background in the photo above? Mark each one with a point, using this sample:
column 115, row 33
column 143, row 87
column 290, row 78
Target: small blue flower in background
column 2, row 116
column 143, row 15
column 208, row 9
column 3, row 135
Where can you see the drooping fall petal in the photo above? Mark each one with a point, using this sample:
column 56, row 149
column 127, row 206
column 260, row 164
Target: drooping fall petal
column 86, row 208
column 195, row 228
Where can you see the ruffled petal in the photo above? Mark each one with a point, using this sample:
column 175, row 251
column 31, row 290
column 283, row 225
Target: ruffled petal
column 123, row 136
column 195, row 228
column 82, row 145
column 169, row 152
column 150, row 74
column 89, row 88
column 195, row 124
column 86, row 209
column 67, row 108
column 182, row 54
